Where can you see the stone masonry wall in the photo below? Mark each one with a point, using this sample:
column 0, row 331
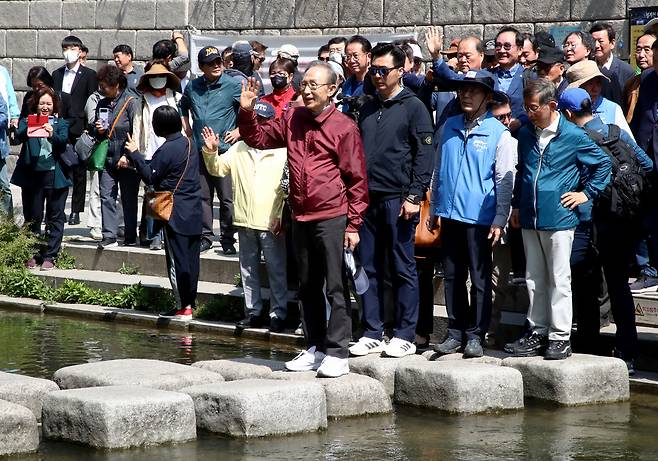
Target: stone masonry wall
column 32, row 30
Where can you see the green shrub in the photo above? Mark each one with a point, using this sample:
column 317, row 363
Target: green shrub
column 23, row 283
column 65, row 261
column 224, row 308
column 128, row 269
column 17, row 245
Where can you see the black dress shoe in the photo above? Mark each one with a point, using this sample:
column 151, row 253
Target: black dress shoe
column 277, row 325
column 229, row 249
column 74, row 218
column 250, row 321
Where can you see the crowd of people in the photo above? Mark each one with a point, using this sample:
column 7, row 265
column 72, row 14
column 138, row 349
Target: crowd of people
column 519, row 146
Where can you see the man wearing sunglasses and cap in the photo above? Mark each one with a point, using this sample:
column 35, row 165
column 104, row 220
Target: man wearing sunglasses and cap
column 396, row 130
column 471, row 197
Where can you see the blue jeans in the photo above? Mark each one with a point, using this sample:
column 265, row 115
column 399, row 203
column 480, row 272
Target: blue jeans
column 252, row 243
column 6, row 204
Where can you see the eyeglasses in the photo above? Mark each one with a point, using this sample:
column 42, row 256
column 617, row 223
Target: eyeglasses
column 311, row 85
column 380, row 71
column 320, row 58
column 353, row 57
column 533, row 109
column 568, row 45
column 279, row 74
column 505, row 46
column 503, row 117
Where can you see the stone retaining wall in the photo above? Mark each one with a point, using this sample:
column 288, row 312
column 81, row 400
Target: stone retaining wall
column 33, row 29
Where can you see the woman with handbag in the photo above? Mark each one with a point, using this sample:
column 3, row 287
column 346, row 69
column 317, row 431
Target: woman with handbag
column 174, row 173
column 159, row 87
column 43, row 175
column 115, row 115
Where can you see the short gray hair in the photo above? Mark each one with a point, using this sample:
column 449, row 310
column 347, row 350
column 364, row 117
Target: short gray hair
column 543, row 88
column 333, row 78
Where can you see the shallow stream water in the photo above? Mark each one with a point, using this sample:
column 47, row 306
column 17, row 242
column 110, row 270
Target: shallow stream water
column 38, row 345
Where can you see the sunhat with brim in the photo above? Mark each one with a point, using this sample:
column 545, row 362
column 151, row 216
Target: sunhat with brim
column 650, row 25
column 481, row 78
column 156, row 70
column 583, row 72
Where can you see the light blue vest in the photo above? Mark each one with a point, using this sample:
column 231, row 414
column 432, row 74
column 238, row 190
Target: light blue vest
column 466, row 171
column 605, row 110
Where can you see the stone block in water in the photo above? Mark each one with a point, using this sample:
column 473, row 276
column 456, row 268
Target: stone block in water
column 118, row 416
column 381, row 368
column 25, row 390
column 578, row 380
column 348, row 395
column 154, row 374
column 241, row 368
column 459, row 386
column 259, row 407
column 19, row 431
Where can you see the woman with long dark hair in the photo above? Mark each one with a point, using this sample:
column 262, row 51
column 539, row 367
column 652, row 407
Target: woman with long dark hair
column 42, row 175
column 174, row 167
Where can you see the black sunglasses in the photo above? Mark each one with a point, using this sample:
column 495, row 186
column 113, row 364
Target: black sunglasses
column 381, row 71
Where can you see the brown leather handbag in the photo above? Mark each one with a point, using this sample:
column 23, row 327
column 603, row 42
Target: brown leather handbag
column 161, row 203
column 425, row 238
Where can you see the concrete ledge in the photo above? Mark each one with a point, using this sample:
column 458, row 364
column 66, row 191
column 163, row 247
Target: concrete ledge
column 259, row 407
column 19, row 431
column 348, row 395
column 578, row 380
column 119, row 416
column 21, row 304
column 458, row 386
column 155, row 374
column 26, row 391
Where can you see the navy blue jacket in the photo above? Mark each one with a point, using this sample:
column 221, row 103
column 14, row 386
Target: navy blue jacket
column 645, row 117
column 163, row 173
column 397, row 138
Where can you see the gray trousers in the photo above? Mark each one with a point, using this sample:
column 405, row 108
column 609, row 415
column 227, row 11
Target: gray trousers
column 548, row 277
column 273, row 248
column 110, row 182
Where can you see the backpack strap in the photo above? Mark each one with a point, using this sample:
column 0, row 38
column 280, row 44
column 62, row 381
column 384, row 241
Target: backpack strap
column 614, row 133
column 187, row 162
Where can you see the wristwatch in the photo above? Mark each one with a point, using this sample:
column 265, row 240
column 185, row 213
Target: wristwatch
column 413, row 199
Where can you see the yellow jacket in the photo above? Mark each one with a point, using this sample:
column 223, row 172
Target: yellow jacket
column 256, row 177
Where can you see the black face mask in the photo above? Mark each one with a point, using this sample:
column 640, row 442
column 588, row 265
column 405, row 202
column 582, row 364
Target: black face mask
column 279, row 81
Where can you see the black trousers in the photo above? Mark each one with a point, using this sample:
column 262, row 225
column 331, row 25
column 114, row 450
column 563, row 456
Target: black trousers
column 467, row 248
column 128, row 181
column 319, row 252
column 79, row 194
column 616, row 243
column 224, row 189
column 425, row 259
column 183, row 256
column 33, row 206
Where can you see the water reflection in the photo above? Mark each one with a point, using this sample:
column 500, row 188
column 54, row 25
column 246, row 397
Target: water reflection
column 38, row 345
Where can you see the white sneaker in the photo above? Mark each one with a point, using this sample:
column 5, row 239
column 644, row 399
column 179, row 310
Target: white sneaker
column 306, row 361
column 398, row 347
column 367, row 346
column 333, row 367
column 96, row 233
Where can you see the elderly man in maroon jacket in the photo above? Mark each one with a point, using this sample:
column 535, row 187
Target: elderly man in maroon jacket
column 328, row 197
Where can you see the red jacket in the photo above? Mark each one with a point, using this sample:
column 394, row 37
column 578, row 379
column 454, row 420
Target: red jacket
column 325, row 159
column 280, row 99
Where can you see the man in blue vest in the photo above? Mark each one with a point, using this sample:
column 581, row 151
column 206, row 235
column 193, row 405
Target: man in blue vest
column 471, row 198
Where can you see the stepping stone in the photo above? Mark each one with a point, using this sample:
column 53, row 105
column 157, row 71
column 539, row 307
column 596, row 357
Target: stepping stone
column 155, row 374
column 25, row 391
column 349, row 395
column 458, row 386
column 578, row 380
column 19, row 431
column 118, row 416
column 259, row 407
column 381, row 368
column 452, row 357
column 241, row 368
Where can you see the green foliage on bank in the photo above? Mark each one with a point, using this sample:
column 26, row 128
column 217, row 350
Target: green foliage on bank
column 18, row 245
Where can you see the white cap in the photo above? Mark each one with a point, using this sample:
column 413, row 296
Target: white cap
column 358, row 275
column 338, row 69
column 417, row 52
column 288, row 51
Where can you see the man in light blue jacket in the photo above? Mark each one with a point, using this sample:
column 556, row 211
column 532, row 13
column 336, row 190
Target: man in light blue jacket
column 471, row 196
column 11, row 111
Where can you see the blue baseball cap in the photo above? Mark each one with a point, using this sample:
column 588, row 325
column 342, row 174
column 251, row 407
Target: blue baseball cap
column 264, row 109
column 572, row 98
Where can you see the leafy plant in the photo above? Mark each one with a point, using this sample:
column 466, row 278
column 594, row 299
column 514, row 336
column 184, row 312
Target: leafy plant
column 64, row 260
column 23, row 283
column 17, row 245
column 128, row 269
column 237, row 279
column 225, row 308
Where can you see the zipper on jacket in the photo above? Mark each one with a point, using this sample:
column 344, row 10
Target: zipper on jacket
column 539, row 165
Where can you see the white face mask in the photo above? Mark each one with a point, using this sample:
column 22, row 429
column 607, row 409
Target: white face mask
column 157, row 83
column 71, row 56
